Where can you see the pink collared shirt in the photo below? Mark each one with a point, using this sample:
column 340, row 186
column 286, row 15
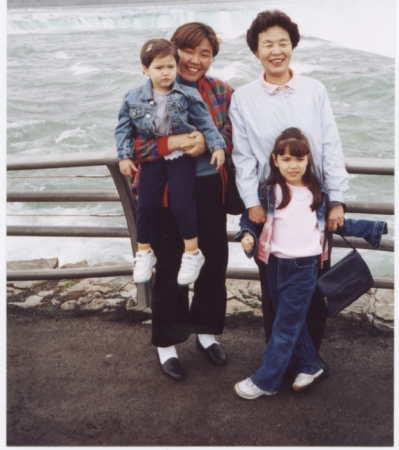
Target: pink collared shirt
column 271, row 88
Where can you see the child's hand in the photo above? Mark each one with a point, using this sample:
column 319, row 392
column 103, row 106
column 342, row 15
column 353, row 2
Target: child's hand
column 218, row 157
column 247, row 242
column 127, row 167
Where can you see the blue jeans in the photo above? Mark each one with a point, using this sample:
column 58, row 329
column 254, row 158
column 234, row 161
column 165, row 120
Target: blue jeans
column 291, row 285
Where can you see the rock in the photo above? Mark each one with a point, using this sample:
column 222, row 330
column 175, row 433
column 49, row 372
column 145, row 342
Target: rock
column 55, row 302
column 45, row 293
column 384, row 312
column 113, row 302
column 26, row 284
column 382, row 325
column 30, row 302
column 75, row 265
column 116, row 283
column 236, row 307
column 255, row 290
column 130, row 286
column 11, row 292
column 81, row 286
column 131, row 304
column 33, row 264
column 384, row 296
column 99, row 288
column 95, row 305
column 129, row 294
column 235, row 291
column 357, row 310
column 83, row 300
column 69, row 306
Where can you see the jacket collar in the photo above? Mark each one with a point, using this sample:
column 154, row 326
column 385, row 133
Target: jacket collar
column 147, row 93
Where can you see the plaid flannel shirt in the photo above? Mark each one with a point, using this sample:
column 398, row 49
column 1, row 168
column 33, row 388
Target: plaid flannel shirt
column 217, row 96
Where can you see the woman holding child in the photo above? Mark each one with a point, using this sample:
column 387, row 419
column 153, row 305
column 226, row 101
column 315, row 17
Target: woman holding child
column 173, row 320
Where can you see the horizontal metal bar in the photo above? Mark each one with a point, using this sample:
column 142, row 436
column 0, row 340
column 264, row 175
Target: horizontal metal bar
column 387, row 245
column 122, row 270
column 61, row 160
column 112, row 196
column 67, row 274
column 370, row 166
column 63, row 196
column 94, row 232
column 370, row 208
column 253, row 274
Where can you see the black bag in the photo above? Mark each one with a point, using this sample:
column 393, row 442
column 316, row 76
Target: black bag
column 234, row 204
column 345, row 282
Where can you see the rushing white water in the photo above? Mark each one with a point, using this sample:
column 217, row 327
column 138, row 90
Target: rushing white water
column 69, row 68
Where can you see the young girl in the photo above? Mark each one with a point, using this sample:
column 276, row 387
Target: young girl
column 162, row 107
column 291, row 244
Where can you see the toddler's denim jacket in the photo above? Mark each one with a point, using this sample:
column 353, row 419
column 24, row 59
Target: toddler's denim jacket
column 187, row 113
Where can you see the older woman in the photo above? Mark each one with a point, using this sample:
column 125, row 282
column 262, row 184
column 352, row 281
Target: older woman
column 173, row 320
column 260, row 111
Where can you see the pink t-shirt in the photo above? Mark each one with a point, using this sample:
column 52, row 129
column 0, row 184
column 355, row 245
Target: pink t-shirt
column 295, row 230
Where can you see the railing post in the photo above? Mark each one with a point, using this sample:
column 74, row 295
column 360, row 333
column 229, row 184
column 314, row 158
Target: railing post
column 129, row 204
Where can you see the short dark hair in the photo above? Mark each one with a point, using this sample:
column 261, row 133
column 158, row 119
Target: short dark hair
column 192, row 34
column 157, row 47
column 267, row 19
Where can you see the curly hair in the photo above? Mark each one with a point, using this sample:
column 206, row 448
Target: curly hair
column 267, row 19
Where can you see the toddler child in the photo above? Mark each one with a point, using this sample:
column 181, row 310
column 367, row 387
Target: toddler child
column 162, row 107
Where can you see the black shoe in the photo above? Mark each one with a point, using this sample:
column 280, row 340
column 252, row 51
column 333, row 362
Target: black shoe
column 324, row 366
column 214, row 352
column 173, row 369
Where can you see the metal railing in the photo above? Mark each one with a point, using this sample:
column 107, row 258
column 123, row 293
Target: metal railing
column 123, row 195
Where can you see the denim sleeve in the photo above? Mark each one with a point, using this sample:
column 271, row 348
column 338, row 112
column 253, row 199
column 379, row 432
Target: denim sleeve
column 246, row 226
column 202, row 120
column 124, row 133
column 370, row 230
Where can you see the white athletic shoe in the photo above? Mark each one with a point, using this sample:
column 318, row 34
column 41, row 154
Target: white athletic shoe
column 303, row 380
column 143, row 264
column 190, row 268
column 247, row 389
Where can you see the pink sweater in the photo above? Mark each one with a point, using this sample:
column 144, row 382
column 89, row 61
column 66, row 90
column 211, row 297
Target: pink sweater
column 295, row 229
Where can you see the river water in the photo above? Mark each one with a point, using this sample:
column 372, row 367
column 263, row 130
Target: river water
column 69, row 68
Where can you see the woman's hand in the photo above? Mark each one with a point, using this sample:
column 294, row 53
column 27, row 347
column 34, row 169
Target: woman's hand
column 247, row 242
column 194, row 144
column 127, row 167
column 257, row 214
column 218, row 157
column 335, row 218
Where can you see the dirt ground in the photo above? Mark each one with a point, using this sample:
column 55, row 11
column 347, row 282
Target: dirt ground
column 94, row 380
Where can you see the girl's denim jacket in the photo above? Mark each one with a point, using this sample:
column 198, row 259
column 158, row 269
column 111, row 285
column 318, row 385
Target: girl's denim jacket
column 370, row 230
column 187, row 113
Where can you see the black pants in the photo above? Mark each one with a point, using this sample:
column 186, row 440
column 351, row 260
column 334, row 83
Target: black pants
column 317, row 313
column 172, row 319
column 179, row 173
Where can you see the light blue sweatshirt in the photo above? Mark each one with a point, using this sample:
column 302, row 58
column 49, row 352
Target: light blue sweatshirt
column 259, row 117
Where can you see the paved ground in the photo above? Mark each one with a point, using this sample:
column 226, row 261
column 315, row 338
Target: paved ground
column 93, row 380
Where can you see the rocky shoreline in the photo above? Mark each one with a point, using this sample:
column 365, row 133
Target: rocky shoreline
column 119, row 294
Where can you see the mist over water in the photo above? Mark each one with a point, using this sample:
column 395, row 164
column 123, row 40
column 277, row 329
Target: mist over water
column 69, row 68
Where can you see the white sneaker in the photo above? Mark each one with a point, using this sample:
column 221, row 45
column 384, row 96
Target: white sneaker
column 303, row 380
column 247, row 389
column 143, row 264
column 190, row 268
